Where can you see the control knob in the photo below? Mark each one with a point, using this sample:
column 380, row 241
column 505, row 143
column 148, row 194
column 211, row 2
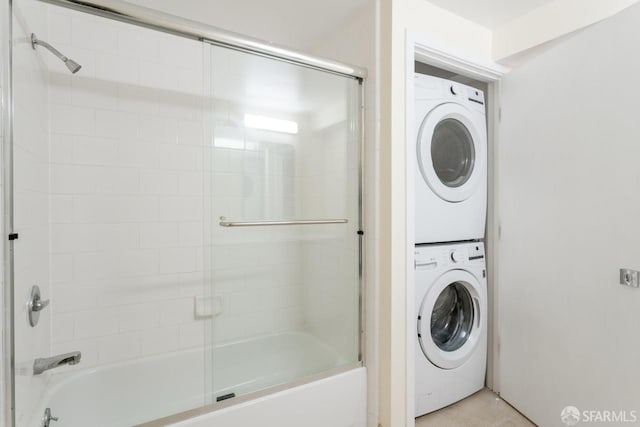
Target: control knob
column 457, row 256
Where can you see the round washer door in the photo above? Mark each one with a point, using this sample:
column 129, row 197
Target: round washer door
column 451, row 152
column 449, row 327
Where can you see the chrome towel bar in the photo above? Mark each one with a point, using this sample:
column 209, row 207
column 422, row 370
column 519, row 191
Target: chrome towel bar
column 225, row 223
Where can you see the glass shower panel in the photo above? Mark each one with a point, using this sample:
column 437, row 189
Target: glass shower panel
column 282, row 222
column 108, row 203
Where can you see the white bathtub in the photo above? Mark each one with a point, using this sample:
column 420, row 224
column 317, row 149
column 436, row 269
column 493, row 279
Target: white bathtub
column 142, row 390
column 336, row 401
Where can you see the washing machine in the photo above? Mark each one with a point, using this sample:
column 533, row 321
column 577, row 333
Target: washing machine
column 451, row 316
column 451, row 161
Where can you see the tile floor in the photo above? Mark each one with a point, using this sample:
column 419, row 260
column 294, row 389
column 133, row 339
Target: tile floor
column 483, row 409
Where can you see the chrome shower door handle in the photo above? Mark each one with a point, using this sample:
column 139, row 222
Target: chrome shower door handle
column 35, row 305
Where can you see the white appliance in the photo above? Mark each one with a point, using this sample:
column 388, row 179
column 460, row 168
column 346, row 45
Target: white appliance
column 451, row 316
column 451, row 154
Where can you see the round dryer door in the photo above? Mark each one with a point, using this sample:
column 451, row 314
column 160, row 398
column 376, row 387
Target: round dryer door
column 451, row 152
column 449, row 327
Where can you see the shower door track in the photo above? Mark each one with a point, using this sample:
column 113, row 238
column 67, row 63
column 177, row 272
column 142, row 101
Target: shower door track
column 130, row 13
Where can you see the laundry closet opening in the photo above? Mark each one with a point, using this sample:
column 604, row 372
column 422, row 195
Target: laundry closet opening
column 450, row 152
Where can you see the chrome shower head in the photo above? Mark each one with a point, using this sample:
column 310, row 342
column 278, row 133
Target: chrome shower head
column 72, row 65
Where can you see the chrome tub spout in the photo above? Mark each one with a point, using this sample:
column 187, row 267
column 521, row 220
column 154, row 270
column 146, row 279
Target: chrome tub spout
column 42, row 365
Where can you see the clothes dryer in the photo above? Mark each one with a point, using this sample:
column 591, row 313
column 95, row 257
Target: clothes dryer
column 451, row 161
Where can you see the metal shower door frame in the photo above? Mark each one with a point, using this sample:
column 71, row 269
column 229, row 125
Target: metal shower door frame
column 6, row 126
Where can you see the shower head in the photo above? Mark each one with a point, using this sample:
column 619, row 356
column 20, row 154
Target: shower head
column 72, row 65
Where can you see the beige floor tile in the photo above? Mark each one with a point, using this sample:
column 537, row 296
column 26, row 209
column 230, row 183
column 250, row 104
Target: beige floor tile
column 482, row 409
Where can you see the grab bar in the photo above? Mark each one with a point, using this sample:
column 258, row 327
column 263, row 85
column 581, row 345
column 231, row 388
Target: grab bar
column 225, row 223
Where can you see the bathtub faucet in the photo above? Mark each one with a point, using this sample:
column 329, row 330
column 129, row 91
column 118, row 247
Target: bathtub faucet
column 41, row 365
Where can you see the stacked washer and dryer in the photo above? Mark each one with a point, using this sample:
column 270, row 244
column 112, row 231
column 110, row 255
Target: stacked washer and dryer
column 450, row 216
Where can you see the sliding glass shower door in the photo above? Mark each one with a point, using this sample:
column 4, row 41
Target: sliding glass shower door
column 186, row 222
column 283, row 243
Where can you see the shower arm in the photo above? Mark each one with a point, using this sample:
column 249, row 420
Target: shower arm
column 71, row 65
column 35, row 41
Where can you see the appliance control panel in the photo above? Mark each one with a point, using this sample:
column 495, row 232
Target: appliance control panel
column 476, row 251
column 429, row 88
column 458, row 255
column 439, row 256
column 475, row 95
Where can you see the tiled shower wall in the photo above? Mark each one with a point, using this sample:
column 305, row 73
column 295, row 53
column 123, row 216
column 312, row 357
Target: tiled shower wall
column 311, row 271
column 126, row 182
column 257, row 269
column 331, row 293
column 129, row 165
column 328, row 172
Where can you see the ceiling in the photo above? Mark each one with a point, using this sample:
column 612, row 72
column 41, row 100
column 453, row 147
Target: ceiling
column 490, row 13
column 302, row 24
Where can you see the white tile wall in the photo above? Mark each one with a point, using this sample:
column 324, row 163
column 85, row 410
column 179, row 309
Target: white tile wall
column 327, row 172
column 256, row 270
column 129, row 229
column 126, row 190
column 309, row 175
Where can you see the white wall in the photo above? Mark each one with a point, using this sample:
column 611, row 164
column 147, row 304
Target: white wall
column 568, row 211
column 441, row 27
column 549, row 22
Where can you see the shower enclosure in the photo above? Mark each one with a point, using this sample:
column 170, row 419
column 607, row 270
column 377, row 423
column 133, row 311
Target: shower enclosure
column 183, row 212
